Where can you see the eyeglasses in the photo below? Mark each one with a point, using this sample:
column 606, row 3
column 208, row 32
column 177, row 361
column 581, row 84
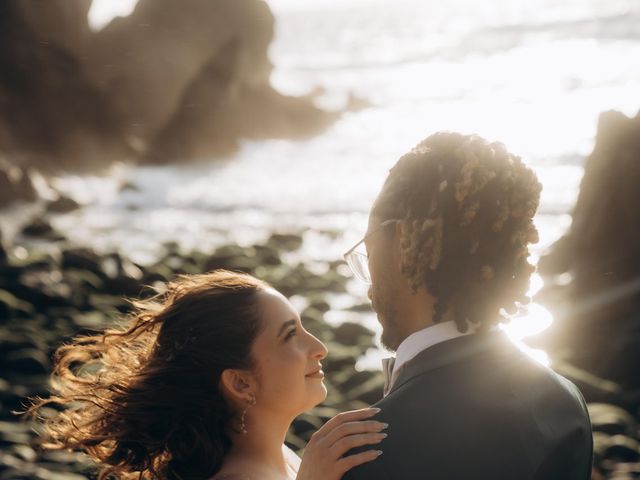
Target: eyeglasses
column 359, row 261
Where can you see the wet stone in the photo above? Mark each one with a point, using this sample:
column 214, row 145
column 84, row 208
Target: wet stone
column 610, row 419
column 285, row 241
column 37, row 228
column 350, row 333
column 26, row 362
column 62, row 204
column 82, row 259
column 11, row 306
column 623, row 449
column 23, row 452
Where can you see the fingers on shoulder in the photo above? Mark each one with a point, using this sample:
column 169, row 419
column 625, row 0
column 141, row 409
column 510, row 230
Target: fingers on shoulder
column 350, row 416
column 347, row 463
column 354, row 441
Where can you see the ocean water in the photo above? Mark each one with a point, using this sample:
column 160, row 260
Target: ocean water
column 534, row 74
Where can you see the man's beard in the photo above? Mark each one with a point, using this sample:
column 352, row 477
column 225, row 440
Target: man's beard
column 390, row 337
column 383, row 298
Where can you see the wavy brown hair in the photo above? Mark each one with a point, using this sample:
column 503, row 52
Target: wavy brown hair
column 466, row 208
column 143, row 400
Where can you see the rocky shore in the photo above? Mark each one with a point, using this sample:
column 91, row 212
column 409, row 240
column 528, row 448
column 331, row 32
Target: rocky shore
column 47, row 297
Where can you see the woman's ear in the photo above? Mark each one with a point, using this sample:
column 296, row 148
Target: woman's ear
column 238, row 385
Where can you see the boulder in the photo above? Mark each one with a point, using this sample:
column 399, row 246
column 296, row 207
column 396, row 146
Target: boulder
column 350, row 333
column 596, row 266
column 38, row 227
column 62, row 204
column 146, row 61
column 26, row 362
column 3, row 251
column 82, row 259
column 50, row 108
column 16, row 184
column 285, row 241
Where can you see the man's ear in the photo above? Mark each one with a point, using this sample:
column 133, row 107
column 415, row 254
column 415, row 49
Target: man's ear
column 238, row 385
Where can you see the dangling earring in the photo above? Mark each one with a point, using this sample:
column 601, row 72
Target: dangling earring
column 243, row 427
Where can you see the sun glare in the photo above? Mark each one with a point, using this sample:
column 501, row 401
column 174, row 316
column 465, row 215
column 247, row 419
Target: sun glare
column 103, row 11
column 535, row 320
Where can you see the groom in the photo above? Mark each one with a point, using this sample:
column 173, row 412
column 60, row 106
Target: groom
column 446, row 253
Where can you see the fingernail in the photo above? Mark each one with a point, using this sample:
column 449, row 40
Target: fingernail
column 385, row 426
column 375, row 409
column 378, row 453
column 383, row 435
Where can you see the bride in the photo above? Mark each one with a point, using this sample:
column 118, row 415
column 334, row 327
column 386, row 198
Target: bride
column 202, row 382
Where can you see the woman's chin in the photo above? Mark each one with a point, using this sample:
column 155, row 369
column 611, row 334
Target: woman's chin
column 318, row 397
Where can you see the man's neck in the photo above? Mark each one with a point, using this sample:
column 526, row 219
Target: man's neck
column 417, row 313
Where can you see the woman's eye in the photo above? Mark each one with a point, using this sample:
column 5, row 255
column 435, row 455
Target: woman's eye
column 290, row 334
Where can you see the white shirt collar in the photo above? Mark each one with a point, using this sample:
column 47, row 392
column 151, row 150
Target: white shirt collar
column 425, row 338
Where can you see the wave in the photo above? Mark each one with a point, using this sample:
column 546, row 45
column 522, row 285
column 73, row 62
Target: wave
column 491, row 40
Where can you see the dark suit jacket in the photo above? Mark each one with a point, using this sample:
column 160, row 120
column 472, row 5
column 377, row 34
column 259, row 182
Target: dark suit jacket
column 476, row 407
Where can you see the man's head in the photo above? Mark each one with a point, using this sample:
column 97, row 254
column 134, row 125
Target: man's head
column 459, row 246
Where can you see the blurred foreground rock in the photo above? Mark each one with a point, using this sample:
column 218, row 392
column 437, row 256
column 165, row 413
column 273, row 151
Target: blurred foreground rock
column 592, row 274
column 592, row 285
column 173, row 81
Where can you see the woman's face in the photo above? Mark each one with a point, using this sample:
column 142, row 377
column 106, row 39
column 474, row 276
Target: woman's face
column 287, row 357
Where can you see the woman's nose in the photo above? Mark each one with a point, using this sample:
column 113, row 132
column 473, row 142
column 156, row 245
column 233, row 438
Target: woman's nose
column 319, row 350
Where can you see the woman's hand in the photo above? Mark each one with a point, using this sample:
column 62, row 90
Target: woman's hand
column 323, row 456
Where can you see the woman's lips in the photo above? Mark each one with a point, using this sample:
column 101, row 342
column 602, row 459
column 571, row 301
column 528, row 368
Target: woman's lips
column 315, row 374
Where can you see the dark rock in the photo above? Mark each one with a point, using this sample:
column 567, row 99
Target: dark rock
column 41, row 297
column 361, row 307
column 267, row 255
column 283, row 241
column 232, row 257
column 38, row 227
column 350, row 333
column 26, row 362
column 623, row 449
column 369, row 391
column 11, row 306
column 109, row 303
column 129, row 186
column 62, row 204
column 341, row 357
column 348, row 380
column 600, row 258
column 55, row 110
column 157, row 273
column 16, row 184
column 83, row 281
column 123, row 285
column 24, row 452
column 3, row 251
column 196, row 32
column 611, row 419
column 82, row 259
column 305, row 425
column 312, row 319
column 319, row 304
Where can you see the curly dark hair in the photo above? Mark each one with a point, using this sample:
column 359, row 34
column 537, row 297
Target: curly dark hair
column 143, row 400
column 466, row 208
